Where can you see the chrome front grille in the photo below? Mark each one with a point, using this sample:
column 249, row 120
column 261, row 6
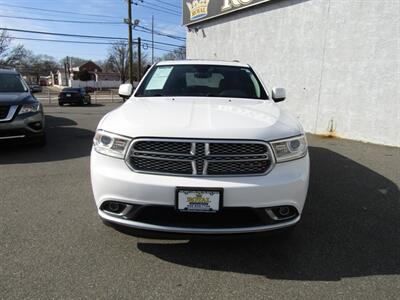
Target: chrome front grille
column 7, row 112
column 200, row 157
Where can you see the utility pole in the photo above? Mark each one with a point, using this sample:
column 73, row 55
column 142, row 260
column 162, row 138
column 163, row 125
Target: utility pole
column 65, row 73
column 67, row 68
column 152, row 39
column 130, row 54
column 139, row 42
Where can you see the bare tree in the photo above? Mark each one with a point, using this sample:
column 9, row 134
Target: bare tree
column 75, row 61
column 176, row 54
column 5, row 41
column 10, row 56
column 38, row 65
column 117, row 60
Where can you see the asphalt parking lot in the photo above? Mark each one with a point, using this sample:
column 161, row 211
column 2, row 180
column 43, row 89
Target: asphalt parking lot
column 53, row 245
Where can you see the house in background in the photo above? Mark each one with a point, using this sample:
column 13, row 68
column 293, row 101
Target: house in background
column 59, row 78
column 45, row 80
column 89, row 66
column 98, row 78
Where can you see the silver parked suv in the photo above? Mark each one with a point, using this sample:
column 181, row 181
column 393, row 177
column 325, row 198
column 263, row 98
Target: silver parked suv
column 21, row 114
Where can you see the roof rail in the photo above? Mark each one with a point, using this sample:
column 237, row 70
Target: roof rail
column 7, row 67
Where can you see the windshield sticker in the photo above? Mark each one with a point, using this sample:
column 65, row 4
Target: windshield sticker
column 159, row 78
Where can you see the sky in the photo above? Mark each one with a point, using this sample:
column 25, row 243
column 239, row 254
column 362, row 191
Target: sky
column 78, row 10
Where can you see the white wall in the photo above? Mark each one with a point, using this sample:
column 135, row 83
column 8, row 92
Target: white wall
column 61, row 79
column 338, row 59
column 95, row 84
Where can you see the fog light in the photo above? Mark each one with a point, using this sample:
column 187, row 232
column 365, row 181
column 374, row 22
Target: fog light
column 36, row 125
column 284, row 211
column 113, row 207
column 281, row 213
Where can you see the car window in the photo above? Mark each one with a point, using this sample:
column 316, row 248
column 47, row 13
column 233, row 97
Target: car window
column 12, row 83
column 71, row 90
column 202, row 81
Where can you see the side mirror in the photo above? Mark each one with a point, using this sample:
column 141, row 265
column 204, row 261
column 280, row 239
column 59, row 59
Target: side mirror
column 125, row 90
column 34, row 91
column 278, row 94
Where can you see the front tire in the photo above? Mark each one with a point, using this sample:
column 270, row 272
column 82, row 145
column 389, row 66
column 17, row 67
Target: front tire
column 60, row 104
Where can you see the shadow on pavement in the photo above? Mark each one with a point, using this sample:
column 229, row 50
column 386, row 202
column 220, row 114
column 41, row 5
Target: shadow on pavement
column 84, row 106
column 64, row 141
column 350, row 227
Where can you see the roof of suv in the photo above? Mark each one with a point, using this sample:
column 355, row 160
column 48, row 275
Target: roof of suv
column 202, row 62
column 8, row 71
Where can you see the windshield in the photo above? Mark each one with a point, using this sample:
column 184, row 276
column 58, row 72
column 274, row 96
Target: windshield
column 202, row 81
column 12, row 83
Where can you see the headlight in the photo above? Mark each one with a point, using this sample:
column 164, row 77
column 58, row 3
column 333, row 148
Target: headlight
column 29, row 108
column 110, row 144
column 289, row 149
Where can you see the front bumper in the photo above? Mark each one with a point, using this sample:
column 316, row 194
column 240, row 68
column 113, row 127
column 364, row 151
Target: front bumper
column 23, row 126
column 285, row 185
column 72, row 100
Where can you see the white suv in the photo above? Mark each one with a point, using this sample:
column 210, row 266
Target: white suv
column 200, row 147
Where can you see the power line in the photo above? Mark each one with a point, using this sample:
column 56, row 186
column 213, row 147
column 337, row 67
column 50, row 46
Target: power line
column 149, row 30
column 64, row 34
column 166, row 3
column 166, row 44
column 160, row 33
column 62, row 41
column 58, row 11
column 84, row 36
column 84, row 42
column 63, row 21
column 161, row 7
column 156, row 9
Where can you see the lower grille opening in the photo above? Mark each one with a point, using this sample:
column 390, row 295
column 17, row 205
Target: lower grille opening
column 228, row 217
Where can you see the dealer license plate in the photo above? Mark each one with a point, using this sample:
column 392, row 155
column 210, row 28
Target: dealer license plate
column 201, row 200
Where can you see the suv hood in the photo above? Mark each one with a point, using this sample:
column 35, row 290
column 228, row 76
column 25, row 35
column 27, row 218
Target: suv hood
column 15, row 98
column 190, row 117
